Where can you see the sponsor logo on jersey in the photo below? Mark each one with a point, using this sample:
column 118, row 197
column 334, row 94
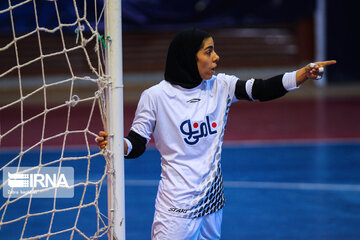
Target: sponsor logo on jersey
column 195, row 131
column 178, row 210
column 194, row 100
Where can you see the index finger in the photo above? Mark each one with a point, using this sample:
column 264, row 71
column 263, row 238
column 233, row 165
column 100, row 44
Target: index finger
column 326, row 63
column 103, row 134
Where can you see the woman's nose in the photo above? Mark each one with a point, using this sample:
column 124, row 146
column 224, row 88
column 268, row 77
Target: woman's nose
column 217, row 58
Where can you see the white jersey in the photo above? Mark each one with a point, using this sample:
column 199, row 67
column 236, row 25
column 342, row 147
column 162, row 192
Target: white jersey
column 188, row 128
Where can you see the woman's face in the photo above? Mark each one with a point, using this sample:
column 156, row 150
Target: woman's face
column 207, row 59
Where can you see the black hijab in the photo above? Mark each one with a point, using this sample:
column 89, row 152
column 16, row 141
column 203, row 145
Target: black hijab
column 181, row 67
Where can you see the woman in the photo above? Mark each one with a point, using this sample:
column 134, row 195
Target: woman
column 186, row 113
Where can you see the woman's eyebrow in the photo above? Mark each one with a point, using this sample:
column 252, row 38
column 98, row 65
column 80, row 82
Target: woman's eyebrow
column 209, row 47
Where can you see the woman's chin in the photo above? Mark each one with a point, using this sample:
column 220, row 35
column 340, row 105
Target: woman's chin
column 208, row 77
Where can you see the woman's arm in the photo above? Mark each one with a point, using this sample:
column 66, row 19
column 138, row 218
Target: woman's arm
column 278, row 86
column 137, row 143
column 102, row 141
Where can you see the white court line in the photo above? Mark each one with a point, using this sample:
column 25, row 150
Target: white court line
column 265, row 185
column 227, row 144
column 293, row 186
column 291, row 142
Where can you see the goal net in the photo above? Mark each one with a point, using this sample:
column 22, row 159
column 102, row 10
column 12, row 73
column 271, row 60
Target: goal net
column 53, row 88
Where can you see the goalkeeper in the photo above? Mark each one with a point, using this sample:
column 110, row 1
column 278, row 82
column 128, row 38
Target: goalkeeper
column 186, row 114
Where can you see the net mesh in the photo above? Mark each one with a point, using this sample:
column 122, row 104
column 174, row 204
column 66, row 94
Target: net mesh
column 52, row 106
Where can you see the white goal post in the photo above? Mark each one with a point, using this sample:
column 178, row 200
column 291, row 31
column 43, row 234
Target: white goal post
column 61, row 84
column 113, row 26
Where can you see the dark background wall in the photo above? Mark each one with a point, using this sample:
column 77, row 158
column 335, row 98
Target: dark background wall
column 343, row 40
column 247, row 33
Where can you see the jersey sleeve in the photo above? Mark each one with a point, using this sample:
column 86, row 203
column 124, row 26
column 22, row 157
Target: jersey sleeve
column 230, row 83
column 145, row 116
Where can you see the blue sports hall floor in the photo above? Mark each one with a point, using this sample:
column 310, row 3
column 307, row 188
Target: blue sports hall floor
column 307, row 190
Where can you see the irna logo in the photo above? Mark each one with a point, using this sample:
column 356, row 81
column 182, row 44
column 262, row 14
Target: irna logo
column 38, row 183
column 19, row 180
